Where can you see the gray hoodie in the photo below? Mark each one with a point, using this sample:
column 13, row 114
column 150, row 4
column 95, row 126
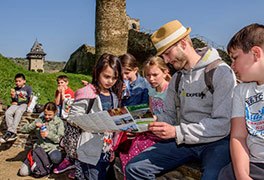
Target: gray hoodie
column 203, row 118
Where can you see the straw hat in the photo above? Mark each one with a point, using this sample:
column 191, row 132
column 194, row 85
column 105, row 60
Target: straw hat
column 168, row 35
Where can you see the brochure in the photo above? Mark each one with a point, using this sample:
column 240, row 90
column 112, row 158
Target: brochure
column 131, row 118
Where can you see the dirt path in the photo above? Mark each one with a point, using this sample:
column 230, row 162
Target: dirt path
column 10, row 161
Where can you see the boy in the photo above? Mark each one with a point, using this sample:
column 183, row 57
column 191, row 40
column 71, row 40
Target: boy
column 63, row 96
column 21, row 97
column 246, row 49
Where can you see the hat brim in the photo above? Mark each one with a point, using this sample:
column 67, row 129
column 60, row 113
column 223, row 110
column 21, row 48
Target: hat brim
column 164, row 48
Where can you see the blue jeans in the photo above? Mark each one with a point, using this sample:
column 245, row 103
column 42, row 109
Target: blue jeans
column 97, row 172
column 167, row 155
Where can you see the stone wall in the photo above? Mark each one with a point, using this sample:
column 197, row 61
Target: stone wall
column 23, row 140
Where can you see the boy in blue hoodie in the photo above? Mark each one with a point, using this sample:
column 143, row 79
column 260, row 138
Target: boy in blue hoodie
column 199, row 129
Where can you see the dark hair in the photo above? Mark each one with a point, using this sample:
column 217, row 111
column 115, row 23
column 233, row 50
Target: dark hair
column 113, row 62
column 62, row 77
column 20, row 75
column 128, row 61
column 50, row 106
column 247, row 37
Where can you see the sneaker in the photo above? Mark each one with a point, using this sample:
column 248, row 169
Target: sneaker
column 8, row 136
column 63, row 166
column 71, row 175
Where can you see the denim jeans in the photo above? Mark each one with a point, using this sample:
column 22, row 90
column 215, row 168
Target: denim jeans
column 167, row 155
column 97, row 172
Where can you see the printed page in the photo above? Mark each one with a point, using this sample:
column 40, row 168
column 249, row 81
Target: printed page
column 141, row 115
column 132, row 119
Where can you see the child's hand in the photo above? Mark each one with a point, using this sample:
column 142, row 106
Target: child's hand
column 60, row 89
column 13, row 93
column 38, row 124
column 14, row 103
column 85, row 83
column 112, row 156
column 44, row 134
column 130, row 135
column 123, row 87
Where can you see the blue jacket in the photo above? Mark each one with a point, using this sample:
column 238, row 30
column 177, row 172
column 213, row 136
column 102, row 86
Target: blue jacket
column 138, row 92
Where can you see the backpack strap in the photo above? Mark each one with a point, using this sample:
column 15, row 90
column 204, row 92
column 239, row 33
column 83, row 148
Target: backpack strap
column 178, row 103
column 209, row 73
column 90, row 105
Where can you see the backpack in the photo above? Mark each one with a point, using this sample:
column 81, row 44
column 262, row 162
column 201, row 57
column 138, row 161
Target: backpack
column 208, row 79
column 38, row 162
column 208, row 76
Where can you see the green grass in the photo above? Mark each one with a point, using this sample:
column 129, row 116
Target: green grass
column 43, row 84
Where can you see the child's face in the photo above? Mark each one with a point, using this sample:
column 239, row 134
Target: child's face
column 243, row 64
column 62, row 83
column 20, row 82
column 155, row 76
column 130, row 75
column 49, row 115
column 107, row 78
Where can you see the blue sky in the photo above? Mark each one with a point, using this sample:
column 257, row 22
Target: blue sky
column 64, row 25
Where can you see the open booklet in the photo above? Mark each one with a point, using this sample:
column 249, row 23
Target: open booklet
column 131, row 118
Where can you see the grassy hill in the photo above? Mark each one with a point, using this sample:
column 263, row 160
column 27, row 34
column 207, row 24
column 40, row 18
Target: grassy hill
column 43, row 84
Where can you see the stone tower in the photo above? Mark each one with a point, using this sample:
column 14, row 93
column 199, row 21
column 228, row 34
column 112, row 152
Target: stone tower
column 133, row 23
column 36, row 57
column 111, row 32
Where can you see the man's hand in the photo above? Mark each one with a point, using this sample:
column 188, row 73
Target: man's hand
column 163, row 130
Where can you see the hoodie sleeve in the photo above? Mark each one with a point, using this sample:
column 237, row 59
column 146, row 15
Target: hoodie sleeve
column 217, row 125
column 58, row 132
column 81, row 102
column 78, row 108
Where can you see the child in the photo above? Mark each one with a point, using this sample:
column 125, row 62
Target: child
column 246, row 49
column 64, row 95
column 21, row 97
column 157, row 74
column 138, row 90
column 47, row 139
column 94, row 149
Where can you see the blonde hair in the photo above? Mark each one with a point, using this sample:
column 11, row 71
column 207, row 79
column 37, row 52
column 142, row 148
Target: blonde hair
column 158, row 61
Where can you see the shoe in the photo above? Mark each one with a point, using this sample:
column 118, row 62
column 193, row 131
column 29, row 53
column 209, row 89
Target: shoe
column 8, row 136
column 63, row 166
column 71, row 175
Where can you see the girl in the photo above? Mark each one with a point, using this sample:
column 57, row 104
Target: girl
column 94, row 149
column 138, row 86
column 136, row 89
column 157, row 74
column 49, row 130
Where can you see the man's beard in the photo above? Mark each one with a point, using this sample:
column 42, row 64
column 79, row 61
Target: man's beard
column 179, row 64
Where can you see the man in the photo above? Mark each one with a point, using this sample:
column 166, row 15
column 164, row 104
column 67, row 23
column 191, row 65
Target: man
column 199, row 130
